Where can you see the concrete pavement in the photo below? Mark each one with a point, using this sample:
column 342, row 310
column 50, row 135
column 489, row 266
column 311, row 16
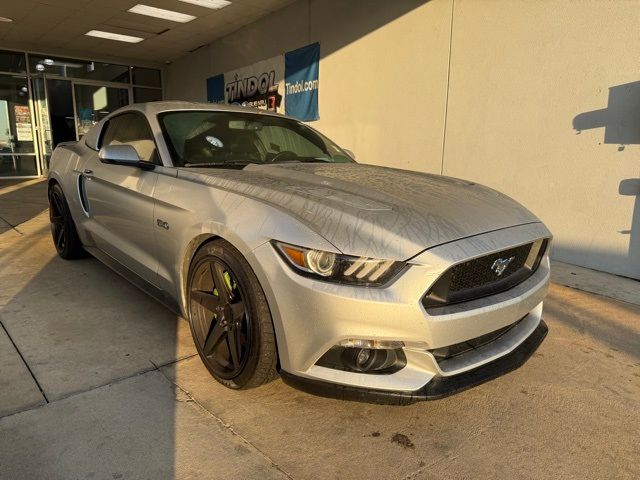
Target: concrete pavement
column 97, row 380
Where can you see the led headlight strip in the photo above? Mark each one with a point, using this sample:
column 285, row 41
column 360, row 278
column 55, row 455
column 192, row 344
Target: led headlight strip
column 338, row 268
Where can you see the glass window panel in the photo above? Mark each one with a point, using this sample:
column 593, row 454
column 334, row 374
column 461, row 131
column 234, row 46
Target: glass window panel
column 146, row 94
column 61, row 111
column 16, row 123
column 12, row 62
column 93, row 103
column 131, row 129
column 71, row 68
column 18, row 166
column 149, row 77
column 197, row 137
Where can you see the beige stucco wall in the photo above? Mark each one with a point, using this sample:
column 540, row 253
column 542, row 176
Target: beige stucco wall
column 518, row 75
column 520, row 72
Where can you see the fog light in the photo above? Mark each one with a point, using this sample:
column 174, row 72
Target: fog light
column 376, row 359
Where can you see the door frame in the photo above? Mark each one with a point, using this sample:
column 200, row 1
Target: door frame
column 40, row 147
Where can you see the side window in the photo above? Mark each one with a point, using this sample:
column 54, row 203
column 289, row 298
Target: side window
column 131, row 129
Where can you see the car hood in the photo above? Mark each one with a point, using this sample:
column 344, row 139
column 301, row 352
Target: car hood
column 373, row 211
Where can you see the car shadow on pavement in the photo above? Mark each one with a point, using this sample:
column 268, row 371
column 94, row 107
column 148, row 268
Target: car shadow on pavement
column 21, row 202
column 612, row 323
column 91, row 343
column 96, row 345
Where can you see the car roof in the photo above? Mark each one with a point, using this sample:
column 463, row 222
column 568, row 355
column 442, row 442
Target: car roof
column 153, row 108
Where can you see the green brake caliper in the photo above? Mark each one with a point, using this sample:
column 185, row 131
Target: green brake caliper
column 227, row 279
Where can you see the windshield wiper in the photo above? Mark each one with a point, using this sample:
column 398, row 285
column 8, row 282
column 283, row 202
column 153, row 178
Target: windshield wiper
column 306, row 160
column 216, row 164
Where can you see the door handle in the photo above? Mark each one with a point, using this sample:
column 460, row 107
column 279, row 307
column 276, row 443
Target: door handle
column 87, row 173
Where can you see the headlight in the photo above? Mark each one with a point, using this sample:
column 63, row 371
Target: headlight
column 337, row 268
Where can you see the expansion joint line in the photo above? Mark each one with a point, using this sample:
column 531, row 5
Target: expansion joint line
column 25, row 362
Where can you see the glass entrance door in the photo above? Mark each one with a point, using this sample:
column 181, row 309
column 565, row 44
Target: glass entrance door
column 17, row 146
column 94, row 102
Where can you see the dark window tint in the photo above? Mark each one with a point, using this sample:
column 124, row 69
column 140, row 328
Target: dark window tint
column 63, row 127
column 131, row 129
column 146, row 94
column 215, row 138
column 12, row 62
column 149, row 77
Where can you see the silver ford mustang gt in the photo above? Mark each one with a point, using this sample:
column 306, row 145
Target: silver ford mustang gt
column 287, row 257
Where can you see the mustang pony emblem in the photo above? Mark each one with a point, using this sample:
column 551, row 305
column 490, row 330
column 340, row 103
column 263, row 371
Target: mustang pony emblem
column 501, row 264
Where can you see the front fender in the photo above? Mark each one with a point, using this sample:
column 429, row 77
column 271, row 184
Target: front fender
column 196, row 214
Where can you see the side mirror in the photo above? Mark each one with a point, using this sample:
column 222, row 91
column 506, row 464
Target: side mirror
column 123, row 155
column 350, row 153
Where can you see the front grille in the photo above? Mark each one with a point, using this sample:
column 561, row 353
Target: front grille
column 477, row 272
column 486, row 275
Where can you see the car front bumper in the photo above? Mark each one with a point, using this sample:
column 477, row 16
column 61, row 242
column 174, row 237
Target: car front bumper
column 310, row 317
column 436, row 388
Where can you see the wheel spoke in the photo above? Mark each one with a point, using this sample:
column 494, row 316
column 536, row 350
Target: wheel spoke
column 215, row 334
column 57, row 219
column 206, row 299
column 233, row 342
column 58, row 203
column 60, row 237
column 219, row 281
column 238, row 311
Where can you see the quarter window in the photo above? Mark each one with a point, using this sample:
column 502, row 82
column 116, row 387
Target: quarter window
column 131, row 129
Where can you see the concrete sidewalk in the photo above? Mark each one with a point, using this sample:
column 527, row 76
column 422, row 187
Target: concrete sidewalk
column 97, row 380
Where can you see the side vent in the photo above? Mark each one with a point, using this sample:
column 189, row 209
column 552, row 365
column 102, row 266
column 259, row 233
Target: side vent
column 82, row 195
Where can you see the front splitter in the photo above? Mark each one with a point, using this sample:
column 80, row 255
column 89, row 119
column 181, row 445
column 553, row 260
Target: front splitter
column 438, row 387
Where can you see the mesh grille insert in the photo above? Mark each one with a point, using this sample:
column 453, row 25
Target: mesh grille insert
column 486, row 275
column 478, row 272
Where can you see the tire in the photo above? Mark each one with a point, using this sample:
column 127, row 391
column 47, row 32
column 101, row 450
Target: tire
column 63, row 230
column 227, row 308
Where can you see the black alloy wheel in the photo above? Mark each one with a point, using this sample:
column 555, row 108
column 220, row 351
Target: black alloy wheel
column 229, row 318
column 63, row 230
column 56, row 217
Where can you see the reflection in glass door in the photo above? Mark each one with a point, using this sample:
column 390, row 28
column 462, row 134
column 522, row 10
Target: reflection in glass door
column 94, row 102
column 17, row 146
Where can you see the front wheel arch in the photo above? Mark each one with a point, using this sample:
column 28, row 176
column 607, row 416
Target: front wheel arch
column 266, row 373
column 190, row 251
column 187, row 258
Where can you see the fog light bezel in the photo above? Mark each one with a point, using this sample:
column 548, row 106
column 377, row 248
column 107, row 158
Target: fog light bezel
column 381, row 361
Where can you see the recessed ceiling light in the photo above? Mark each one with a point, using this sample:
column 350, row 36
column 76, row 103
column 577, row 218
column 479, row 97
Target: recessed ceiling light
column 215, row 4
column 6, row 19
column 114, row 36
column 161, row 13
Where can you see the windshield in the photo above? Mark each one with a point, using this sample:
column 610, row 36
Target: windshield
column 227, row 139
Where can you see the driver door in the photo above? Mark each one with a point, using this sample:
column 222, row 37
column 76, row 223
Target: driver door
column 120, row 198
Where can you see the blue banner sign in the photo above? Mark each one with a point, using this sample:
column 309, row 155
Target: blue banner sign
column 301, row 68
